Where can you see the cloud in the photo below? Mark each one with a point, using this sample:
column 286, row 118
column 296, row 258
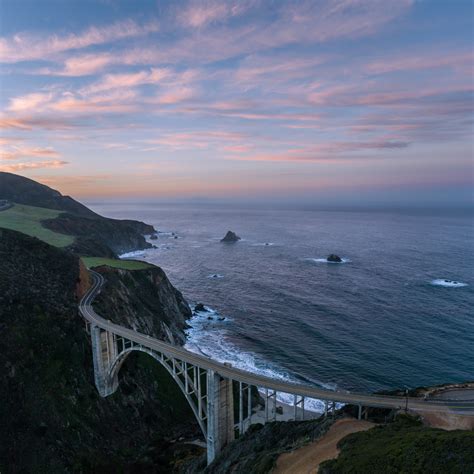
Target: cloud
column 196, row 139
column 23, row 47
column 325, row 152
column 115, row 81
column 33, row 165
column 18, row 152
column 426, row 60
column 175, row 96
column 198, row 14
column 82, row 65
column 29, row 102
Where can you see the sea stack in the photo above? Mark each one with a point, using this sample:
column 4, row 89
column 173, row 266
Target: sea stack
column 334, row 258
column 230, row 237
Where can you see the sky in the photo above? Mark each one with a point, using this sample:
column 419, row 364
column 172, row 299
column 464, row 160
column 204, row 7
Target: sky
column 329, row 102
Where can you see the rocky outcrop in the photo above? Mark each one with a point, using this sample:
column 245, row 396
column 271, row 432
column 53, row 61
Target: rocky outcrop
column 144, row 300
column 230, row 237
column 334, row 258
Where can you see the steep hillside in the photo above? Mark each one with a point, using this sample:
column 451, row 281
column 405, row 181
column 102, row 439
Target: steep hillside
column 144, row 300
column 94, row 235
column 23, row 190
column 51, row 416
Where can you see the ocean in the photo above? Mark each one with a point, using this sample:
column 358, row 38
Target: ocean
column 383, row 319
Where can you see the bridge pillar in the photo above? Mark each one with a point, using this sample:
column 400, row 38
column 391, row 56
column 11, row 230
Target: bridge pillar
column 220, row 414
column 104, row 351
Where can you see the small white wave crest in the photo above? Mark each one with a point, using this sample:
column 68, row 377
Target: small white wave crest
column 448, row 283
column 325, row 260
column 134, row 254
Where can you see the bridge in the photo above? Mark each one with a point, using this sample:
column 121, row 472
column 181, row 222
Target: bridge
column 209, row 386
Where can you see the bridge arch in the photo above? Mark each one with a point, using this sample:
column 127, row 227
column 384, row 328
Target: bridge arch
column 119, row 360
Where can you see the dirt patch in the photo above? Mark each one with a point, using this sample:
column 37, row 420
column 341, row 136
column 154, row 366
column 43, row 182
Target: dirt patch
column 448, row 422
column 307, row 459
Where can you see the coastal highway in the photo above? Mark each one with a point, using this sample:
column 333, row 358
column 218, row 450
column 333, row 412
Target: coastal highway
column 420, row 405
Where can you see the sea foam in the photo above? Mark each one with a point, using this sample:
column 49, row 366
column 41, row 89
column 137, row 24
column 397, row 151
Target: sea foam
column 448, row 283
column 208, row 337
column 324, row 260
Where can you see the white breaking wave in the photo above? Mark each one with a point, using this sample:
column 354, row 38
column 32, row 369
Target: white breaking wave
column 208, row 337
column 448, row 283
column 134, row 254
column 324, row 260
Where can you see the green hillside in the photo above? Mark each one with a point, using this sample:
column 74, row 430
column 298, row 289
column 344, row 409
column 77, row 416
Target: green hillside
column 27, row 219
column 91, row 262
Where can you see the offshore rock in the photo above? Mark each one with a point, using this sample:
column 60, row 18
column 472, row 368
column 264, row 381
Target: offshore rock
column 230, row 237
column 334, row 258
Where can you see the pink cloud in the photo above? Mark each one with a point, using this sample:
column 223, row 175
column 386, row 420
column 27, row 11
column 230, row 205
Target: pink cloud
column 423, row 61
column 198, row 14
column 175, row 96
column 22, row 47
column 83, row 65
column 29, row 102
column 115, row 81
column 33, row 165
column 17, row 152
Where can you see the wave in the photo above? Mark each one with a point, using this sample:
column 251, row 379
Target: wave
column 134, row 254
column 208, row 337
column 264, row 244
column 215, row 275
column 324, row 260
column 448, row 283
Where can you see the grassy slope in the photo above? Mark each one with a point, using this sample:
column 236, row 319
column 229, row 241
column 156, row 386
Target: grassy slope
column 404, row 446
column 91, row 262
column 27, row 219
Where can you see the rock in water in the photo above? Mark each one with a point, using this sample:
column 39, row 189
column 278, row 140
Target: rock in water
column 153, row 237
column 230, row 237
column 334, row 258
column 200, row 307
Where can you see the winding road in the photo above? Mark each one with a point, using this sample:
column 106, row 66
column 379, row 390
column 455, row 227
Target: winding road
column 458, row 407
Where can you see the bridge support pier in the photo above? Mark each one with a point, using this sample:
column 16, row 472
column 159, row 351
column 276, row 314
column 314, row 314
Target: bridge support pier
column 220, row 414
column 104, row 352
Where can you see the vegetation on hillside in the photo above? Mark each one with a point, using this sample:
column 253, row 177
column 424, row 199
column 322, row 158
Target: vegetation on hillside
column 404, row 446
column 61, row 221
column 51, row 416
column 258, row 449
column 27, row 219
column 93, row 262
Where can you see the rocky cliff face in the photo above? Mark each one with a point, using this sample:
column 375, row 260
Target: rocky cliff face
column 100, row 236
column 51, row 416
column 144, row 300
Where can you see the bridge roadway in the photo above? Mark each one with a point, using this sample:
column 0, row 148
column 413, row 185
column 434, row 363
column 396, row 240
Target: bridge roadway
column 361, row 399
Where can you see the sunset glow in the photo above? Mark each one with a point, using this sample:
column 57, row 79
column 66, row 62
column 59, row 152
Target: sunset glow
column 321, row 101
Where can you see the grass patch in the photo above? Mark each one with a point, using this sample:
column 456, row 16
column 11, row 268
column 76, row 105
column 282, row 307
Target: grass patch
column 27, row 219
column 91, row 262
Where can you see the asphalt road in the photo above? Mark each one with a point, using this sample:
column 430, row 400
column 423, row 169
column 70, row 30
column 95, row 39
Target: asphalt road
column 457, row 407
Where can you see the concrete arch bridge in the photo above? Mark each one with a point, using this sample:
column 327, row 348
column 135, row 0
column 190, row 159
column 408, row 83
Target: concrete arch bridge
column 208, row 384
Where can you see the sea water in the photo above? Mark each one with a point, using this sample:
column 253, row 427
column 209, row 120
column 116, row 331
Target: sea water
column 396, row 313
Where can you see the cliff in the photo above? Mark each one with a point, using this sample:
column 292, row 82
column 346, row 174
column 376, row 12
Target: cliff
column 144, row 300
column 94, row 235
column 51, row 416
